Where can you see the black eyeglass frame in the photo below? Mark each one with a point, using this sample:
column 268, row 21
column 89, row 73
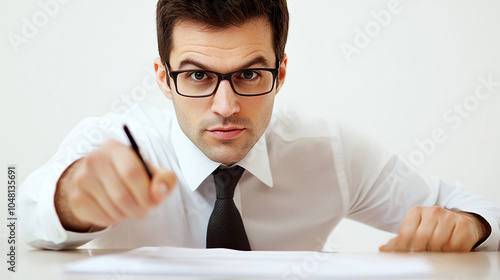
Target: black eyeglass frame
column 222, row 77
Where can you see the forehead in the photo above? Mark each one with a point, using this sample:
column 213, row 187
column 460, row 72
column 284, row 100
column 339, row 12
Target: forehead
column 222, row 48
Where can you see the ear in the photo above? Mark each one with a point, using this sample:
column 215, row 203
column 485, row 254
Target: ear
column 161, row 78
column 282, row 73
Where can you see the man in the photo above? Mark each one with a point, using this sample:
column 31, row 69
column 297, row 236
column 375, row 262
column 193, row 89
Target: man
column 222, row 64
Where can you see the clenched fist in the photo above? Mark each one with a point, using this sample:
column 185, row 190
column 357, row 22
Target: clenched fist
column 438, row 229
column 108, row 186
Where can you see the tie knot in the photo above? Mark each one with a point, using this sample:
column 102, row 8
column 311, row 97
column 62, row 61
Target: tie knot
column 226, row 180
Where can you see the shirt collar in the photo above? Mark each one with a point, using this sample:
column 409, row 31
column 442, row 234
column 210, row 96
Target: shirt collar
column 196, row 166
column 257, row 162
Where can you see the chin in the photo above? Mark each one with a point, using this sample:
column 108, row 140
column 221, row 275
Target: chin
column 227, row 161
column 226, row 156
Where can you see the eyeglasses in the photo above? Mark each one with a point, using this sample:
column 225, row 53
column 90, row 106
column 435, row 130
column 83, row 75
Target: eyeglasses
column 204, row 83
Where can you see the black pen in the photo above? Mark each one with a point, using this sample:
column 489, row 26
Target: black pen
column 136, row 150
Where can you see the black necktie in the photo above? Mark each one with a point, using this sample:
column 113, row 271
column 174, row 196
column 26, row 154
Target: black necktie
column 225, row 227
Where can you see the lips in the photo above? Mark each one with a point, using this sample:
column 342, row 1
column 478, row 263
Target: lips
column 226, row 133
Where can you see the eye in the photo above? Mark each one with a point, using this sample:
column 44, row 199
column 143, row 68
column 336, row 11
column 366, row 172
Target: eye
column 198, row 75
column 249, row 74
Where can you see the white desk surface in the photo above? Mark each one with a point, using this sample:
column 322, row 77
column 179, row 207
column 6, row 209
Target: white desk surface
column 45, row 264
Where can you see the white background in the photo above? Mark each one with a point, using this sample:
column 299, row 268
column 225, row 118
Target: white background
column 86, row 58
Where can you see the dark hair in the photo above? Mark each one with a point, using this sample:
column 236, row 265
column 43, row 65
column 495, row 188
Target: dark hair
column 220, row 14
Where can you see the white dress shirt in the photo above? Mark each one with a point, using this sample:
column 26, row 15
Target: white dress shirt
column 302, row 177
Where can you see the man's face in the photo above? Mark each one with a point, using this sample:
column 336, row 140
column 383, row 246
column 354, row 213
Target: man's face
column 224, row 126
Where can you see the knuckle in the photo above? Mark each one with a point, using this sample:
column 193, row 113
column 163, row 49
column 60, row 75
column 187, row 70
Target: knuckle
column 77, row 198
column 123, row 199
column 417, row 208
column 448, row 216
column 435, row 210
column 81, row 178
column 415, row 211
column 131, row 171
column 110, row 144
column 94, row 159
column 462, row 223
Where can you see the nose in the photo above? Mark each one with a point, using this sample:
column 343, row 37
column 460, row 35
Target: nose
column 225, row 100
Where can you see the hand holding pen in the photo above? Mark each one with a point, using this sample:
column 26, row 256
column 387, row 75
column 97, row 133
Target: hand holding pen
column 109, row 185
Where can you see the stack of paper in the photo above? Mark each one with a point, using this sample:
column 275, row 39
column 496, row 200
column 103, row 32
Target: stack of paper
column 169, row 261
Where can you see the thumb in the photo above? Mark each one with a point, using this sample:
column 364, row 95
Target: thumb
column 162, row 183
column 389, row 247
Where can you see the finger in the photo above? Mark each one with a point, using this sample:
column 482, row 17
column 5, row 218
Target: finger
column 463, row 236
column 95, row 189
column 408, row 229
column 430, row 218
column 88, row 185
column 390, row 246
column 133, row 176
column 109, row 192
column 88, row 210
column 443, row 232
column 162, row 184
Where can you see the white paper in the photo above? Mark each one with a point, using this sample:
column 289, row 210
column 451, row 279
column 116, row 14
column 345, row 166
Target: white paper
column 170, row 261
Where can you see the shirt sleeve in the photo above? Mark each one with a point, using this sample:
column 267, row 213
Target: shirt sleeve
column 40, row 224
column 383, row 188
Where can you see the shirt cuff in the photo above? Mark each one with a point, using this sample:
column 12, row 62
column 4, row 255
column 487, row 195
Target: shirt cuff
column 492, row 242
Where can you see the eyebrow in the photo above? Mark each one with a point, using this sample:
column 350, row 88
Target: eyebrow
column 189, row 62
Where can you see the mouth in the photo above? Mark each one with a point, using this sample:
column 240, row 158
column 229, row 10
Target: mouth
column 226, row 133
